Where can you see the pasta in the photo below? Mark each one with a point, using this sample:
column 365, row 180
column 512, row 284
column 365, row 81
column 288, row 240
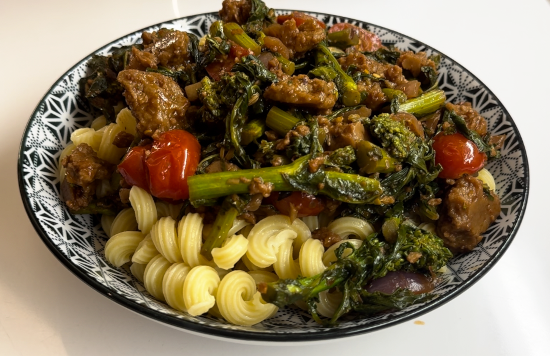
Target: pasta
column 347, row 226
column 88, row 136
column 165, row 238
column 172, row 285
column 154, row 275
column 106, row 223
column 263, row 276
column 231, row 252
column 121, row 246
column 126, row 121
column 144, row 207
column 99, row 122
column 239, row 302
column 329, row 256
column 285, row 266
column 66, row 151
column 190, row 240
column 199, row 289
column 311, row 258
column 145, row 251
column 328, row 303
column 164, row 209
column 267, row 236
column 124, row 221
column 138, row 270
column 106, row 150
column 486, row 177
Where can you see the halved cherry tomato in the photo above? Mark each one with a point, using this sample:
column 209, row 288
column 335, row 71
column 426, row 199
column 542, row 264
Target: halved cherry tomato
column 173, row 157
column 133, row 168
column 368, row 41
column 223, row 64
column 299, row 17
column 457, row 155
column 305, row 204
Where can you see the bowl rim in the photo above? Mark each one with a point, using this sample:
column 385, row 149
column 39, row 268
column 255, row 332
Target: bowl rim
column 216, row 332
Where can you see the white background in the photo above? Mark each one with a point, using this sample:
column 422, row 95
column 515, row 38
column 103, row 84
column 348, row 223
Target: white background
column 45, row 310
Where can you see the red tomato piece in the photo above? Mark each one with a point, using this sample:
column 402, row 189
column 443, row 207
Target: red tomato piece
column 224, row 64
column 133, row 168
column 457, row 155
column 368, row 41
column 163, row 167
column 174, row 156
column 299, row 17
column 305, row 204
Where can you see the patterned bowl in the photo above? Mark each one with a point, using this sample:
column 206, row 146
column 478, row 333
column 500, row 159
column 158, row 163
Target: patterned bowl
column 78, row 241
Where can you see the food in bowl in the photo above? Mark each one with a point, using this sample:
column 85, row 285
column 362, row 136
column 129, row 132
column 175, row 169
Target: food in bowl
column 276, row 162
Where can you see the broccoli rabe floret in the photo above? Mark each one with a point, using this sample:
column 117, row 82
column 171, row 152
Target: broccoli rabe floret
column 394, row 136
column 418, row 250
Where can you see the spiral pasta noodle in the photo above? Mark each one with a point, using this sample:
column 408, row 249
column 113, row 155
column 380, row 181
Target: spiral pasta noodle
column 190, row 240
column 230, row 253
column 239, row 302
column 486, row 177
column 311, row 258
column 285, row 266
column 124, row 221
column 88, row 136
column 66, row 151
column 144, row 207
column 165, row 209
column 126, row 121
column 263, row 276
column 328, row 303
column 165, row 238
column 312, row 222
column 106, row 150
column 99, row 122
column 199, row 289
column 330, row 256
column 347, row 226
column 145, row 251
column 266, row 237
column 121, row 246
column 138, row 270
column 172, row 285
column 154, row 275
column 106, row 223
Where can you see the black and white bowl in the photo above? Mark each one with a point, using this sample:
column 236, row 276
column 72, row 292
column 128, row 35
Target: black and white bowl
column 78, row 241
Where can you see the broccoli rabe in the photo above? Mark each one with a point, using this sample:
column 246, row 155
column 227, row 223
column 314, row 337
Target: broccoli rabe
column 393, row 135
column 414, row 250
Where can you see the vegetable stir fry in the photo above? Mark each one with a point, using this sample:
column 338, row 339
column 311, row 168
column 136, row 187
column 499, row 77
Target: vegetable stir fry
column 271, row 115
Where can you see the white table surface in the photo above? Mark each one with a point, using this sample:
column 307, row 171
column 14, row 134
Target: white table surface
column 45, row 310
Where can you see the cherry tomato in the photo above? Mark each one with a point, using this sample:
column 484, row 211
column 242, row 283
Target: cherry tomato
column 133, row 167
column 163, row 172
column 305, row 204
column 299, row 17
column 223, row 64
column 368, row 41
column 174, row 156
column 457, row 155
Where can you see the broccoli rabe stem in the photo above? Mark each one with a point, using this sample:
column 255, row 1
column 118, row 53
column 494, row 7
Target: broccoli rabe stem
column 280, row 121
column 235, row 33
column 346, row 86
column 425, row 103
column 222, row 225
column 343, row 39
column 288, row 66
column 350, row 188
column 252, row 130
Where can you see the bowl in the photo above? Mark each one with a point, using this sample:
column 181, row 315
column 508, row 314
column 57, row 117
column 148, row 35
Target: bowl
column 78, row 240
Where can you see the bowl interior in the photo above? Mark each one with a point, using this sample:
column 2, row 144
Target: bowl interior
column 78, row 241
